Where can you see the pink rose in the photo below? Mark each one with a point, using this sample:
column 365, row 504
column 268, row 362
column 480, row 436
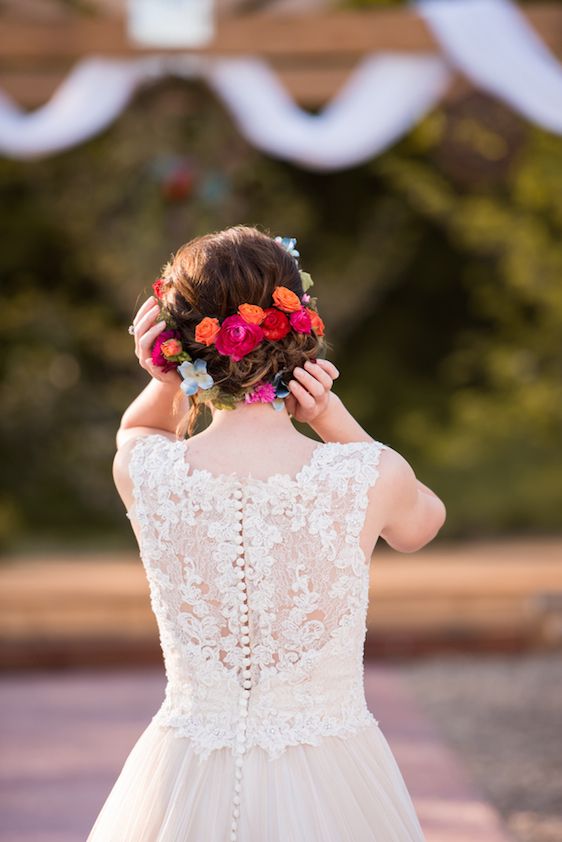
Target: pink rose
column 300, row 321
column 237, row 337
column 157, row 354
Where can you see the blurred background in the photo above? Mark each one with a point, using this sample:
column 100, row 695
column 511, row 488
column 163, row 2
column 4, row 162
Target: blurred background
column 415, row 152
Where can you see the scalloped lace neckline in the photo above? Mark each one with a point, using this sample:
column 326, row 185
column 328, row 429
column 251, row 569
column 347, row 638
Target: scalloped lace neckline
column 192, row 472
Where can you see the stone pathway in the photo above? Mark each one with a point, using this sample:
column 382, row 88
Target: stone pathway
column 65, row 736
column 503, row 715
column 449, row 805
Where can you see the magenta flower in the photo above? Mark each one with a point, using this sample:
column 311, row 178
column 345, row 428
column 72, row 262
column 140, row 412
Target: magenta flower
column 300, row 321
column 264, row 393
column 158, row 357
column 237, row 337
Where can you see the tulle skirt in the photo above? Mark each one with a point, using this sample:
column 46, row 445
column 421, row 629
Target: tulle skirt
column 342, row 790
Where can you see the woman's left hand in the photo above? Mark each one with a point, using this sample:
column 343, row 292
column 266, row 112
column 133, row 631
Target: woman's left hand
column 146, row 331
column 310, row 390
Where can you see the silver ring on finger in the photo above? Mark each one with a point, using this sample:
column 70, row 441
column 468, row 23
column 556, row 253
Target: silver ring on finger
column 131, row 329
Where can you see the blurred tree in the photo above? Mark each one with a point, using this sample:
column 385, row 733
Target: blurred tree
column 479, row 406
column 63, row 366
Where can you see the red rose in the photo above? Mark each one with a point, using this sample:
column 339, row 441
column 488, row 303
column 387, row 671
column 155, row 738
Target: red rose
column 158, row 287
column 157, row 354
column 237, row 337
column 275, row 324
column 300, row 321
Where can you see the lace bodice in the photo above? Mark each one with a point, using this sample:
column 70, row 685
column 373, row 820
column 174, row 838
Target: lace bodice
column 260, row 591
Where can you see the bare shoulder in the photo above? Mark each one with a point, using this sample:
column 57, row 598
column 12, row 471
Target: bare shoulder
column 396, row 481
column 411, row 514
column 396, row 475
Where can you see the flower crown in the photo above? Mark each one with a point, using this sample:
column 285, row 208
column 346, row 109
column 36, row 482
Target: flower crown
column 236, row 336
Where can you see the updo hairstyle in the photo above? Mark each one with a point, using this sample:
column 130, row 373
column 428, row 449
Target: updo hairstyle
column 212, row 275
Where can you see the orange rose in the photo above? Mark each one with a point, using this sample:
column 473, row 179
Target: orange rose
column 171, row 347
column 206, row 331
column 317, row 323
column 286, row 300
column 251, row 313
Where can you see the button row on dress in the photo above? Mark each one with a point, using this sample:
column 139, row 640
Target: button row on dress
column 240, row 746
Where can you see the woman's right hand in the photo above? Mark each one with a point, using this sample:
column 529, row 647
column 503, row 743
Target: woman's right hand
column 146, row 331
column 310, row 390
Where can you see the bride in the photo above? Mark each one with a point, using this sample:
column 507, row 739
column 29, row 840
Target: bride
column 256, row 541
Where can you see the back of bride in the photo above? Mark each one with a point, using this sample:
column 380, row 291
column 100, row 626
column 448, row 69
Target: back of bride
column 256, row 541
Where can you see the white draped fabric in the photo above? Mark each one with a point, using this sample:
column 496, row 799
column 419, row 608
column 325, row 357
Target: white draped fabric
column 382, row 100
column 488, row 40
column 90, row 98
column 491, row 42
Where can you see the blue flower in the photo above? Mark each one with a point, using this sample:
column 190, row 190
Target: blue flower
column 288, row 244
column 281, row 391
column 194, row 376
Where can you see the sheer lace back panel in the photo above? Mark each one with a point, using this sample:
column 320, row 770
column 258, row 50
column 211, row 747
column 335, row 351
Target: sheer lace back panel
column 260, row 591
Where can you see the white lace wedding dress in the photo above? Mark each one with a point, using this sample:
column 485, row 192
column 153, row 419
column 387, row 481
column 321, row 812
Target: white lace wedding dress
column 260, row 590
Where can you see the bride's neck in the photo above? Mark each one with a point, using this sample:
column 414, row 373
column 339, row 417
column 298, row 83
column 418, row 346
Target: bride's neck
column 250, row 416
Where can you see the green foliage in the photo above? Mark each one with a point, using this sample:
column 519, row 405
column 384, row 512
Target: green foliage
column 479, row 406
column 437, row 268
column 63, row 375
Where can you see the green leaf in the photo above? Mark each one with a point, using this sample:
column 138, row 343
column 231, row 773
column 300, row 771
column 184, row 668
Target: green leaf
column 306, row 280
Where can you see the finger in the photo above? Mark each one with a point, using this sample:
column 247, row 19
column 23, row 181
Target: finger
column 290, row 404
column 152, row 369
column 150, row 366
column 302, row 397
column 329, row 368
column 143, row 309
column 309, row 382
column 146, row 320
column 318, row 372
column 149, row 336
column 147, row 364
column 144, row 324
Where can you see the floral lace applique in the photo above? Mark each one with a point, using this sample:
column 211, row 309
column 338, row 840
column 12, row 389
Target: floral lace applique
column 304, row 577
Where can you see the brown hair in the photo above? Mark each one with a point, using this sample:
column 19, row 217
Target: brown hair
column 212, row 275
